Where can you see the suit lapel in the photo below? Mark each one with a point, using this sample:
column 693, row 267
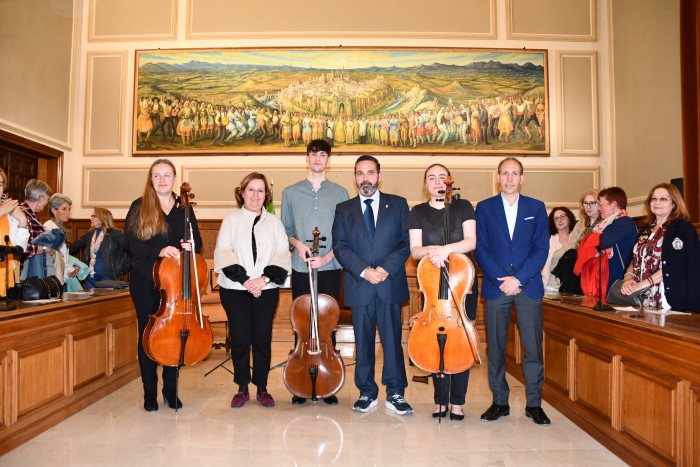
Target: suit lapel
column 500, row 213
column 382, row 205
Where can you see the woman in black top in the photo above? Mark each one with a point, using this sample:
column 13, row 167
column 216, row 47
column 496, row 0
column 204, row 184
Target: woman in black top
column 103, row 248
column 427, row 237
column 154, row 228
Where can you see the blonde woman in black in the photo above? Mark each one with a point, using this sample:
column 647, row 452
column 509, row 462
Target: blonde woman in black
column 154, row 228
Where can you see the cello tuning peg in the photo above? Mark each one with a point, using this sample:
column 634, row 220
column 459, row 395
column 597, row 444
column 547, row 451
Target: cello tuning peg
column 323, row 239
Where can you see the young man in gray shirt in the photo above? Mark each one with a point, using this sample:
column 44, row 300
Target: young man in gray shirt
column 307, row 204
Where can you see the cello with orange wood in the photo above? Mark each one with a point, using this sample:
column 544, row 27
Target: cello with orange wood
column 314, row 369
column 178, row 334
column 443, row 340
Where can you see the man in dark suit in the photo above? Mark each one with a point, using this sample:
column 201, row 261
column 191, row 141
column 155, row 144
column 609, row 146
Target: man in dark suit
column 512, row 242
column 370, row 241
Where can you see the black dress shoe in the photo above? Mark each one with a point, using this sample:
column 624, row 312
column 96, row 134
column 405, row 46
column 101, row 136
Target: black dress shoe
column 296, row 400
column 330, row 400
column 456, row 416
column 441, row 414
column 537, row 415
column 170, row 399
column 150, row 400
column 495, row 412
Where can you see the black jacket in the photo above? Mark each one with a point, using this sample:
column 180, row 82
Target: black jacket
column 680, row 262
column 111, row 251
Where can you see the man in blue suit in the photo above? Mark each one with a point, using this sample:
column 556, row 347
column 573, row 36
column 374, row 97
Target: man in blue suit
column 512, row 242
column 370, row 241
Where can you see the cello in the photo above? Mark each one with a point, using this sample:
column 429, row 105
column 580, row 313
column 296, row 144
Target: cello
column 314, row 369
column 443, row 340
column 178, row 334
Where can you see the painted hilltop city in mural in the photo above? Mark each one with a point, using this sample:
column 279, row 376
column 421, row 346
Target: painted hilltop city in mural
column 402, row 101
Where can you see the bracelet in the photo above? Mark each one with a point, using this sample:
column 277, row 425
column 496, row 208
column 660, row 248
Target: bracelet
column 628, row 274
column 651, row 282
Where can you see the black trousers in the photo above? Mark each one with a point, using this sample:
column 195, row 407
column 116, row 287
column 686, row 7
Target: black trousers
column 250, row 326
column 452, row 389
column 146, row 301
column 328, row 283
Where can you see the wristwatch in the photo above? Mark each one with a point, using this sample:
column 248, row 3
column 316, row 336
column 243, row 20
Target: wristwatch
column 266, row 279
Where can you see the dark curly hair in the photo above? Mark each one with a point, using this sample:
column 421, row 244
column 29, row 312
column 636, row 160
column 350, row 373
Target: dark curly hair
column 569, row 214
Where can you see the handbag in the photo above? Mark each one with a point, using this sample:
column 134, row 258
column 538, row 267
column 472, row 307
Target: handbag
column 616, row 297
column 34, row 288
column 41, row 288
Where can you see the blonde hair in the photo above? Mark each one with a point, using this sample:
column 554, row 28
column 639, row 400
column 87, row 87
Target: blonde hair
column 151, row 219
column 105, row 216
column 582, row 212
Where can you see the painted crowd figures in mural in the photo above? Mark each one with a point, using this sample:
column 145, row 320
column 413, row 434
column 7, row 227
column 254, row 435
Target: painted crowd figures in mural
column 401, row 101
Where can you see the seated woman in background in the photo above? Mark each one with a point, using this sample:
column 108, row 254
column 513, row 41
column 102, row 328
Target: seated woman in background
column 669, row 240
column 103, row 248
column 59, row 208
column 589, row 216
column 561, row 221
column 619, row 231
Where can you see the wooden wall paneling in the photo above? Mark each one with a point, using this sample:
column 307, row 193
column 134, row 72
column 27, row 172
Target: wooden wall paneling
column 124, row 343
column 4, row 391
column 649, row 403
column 41, row 370
column 22, row 153
column 594, row 380
column 89, row 356
column 635, row 385
column 556, row 356
column 692, row 455
column 55, row 361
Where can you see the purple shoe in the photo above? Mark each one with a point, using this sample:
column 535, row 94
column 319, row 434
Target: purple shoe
column 240, row 399
column 266, row 399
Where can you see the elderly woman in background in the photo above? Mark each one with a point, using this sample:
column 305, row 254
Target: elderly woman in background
column 252, row 259
column 666, row 258
column 589, row 216
column 619, row 231
column 561, row 221
column 59, row 208
column 36, row 197
column 103, row 248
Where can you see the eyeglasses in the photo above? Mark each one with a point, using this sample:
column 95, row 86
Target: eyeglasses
column 662, row 200
column 92, row 216
column 560, row 218
column 590, row 204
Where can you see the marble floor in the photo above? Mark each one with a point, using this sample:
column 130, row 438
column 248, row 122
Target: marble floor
column 116, row 431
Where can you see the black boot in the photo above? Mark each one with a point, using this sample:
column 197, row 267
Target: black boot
column 170, row 399
column 150, row 400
